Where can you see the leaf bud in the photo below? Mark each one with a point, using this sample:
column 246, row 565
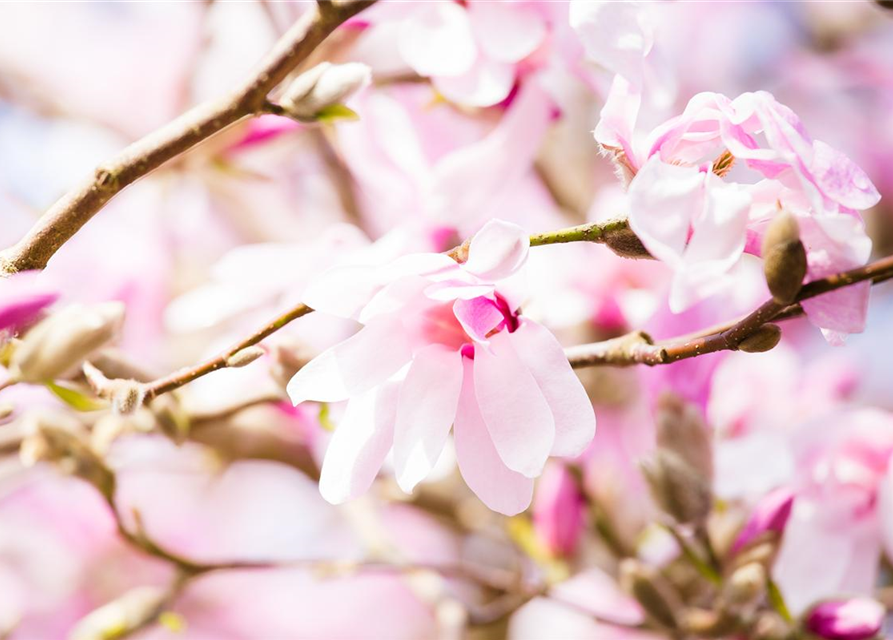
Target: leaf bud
column 322, row 87
column 682, row 430
column 244, row 357
column 763, row 339
column 676, row 487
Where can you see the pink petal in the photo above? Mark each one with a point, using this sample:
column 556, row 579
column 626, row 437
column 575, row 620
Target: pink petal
column 544, row 357
column 616, row 35
column 497, row 251
column 486, row 83
column 354, row 366
column 663, row 201
column 841, row 179
column 478, row 316
column 342, row 291
column 437, row 40
column 513, row 407
column 500, row 488
column 618, row 117
column 359, row 445
column 507, row 32
column 425, row 411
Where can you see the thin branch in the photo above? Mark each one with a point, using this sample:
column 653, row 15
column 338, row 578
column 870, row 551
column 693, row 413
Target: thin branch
column 142, row 157
column 221, row 361
column 638, row 348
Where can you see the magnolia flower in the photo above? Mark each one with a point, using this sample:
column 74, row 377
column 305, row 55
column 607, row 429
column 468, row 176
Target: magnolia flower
column 22, row 297
column 690, row 214
column 444, row 344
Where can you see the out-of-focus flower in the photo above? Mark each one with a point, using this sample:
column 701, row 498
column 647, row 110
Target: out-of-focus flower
column 444, row 344
column 558, row 508
column 854, row 619
column 22, row 297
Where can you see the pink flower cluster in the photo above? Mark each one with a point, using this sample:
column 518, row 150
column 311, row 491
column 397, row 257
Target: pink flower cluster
column 444, row 344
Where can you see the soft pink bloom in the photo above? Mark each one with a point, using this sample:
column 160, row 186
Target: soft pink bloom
column 856, row 619
column 558, row 508
column 22, row 297
column 443, row 344
column 769, row 514
column 701, row 224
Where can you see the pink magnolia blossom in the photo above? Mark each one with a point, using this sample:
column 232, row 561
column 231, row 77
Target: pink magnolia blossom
column 855, row 619
column 770, row 514
column 443, row 344
column 701, row 223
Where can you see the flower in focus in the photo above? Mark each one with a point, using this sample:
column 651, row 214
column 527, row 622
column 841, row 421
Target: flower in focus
column 855, row 619
column 444, row 344
column 696, row 209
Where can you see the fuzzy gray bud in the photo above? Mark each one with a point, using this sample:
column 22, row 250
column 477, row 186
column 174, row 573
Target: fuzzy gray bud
column 64, row 340
column 244, row 357
column 322, row 86
column 657, row 596
column 763, row 339
column 676, row 487
column 682, row 430
column 784, row 258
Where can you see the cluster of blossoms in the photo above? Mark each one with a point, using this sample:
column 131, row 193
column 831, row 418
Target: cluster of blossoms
column 444, row 344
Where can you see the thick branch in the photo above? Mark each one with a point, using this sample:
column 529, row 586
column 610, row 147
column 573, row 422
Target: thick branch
column 76, row 208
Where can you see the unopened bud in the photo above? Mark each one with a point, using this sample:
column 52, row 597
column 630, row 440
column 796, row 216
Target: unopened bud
column 322, row 86
column 244, row 357
column 58, row 439
column 626, row 244
column 705, row 623
column 676, row 487
column 558, row 508
column 854, row 619
column 657, row 597
column 63, row 340
column 769, row 516
column 121, row 617
column 126, row 395
column 746, row 584
column 784, row 258
column 682, row 430
column 763, row 339
column 771, row 626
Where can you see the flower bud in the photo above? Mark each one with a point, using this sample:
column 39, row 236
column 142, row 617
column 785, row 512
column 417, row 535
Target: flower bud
column 22, row 297
column 682, row 430
column 763, row 339
column 706, row 623
column 676, row 487
column 784, row 258
column 771, row 626
column 244, row 357
column 57, row 438
column 746, row 584
column 126, row 395
column 63, row 340
column 558, row 510
column 656, row 595
column 121, row 617
column 626, row 244
column 855, row 619
column 770, row 514
column 322, row 86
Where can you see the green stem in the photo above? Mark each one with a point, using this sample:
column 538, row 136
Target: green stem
column 598, row 232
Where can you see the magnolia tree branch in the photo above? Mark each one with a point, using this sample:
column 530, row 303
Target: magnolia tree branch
column 638, row 348
column 631, row 349
column 75, row 208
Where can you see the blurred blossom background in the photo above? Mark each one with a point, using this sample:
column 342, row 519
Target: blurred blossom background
column 198, row 515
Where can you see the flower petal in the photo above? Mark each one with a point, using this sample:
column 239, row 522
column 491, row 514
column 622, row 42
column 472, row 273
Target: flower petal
column 478, row 316
column 544, row 357
column 663, row 201
column 437, row 40
column 425, row 411
column 513, row 407
column 354, row 366
column 497, row 250
column 507, row 32
column 500, row 488
column 841, row 179
column 486, row 83
column 359, row 445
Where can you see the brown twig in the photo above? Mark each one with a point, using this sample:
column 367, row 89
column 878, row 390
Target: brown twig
column 142, row 157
